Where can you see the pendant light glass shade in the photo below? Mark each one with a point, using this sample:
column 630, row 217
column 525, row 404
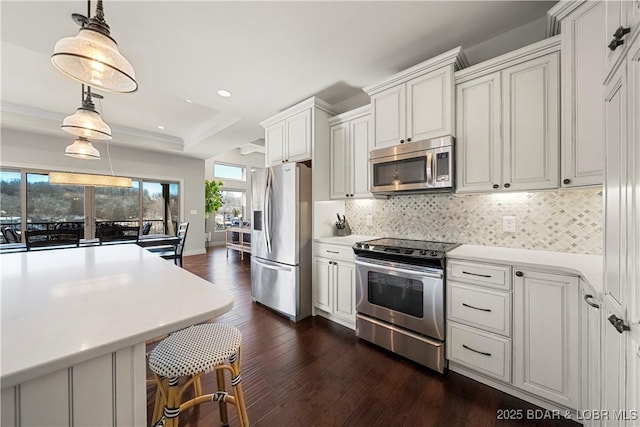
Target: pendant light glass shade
column 86, row 123
column 82, row 149
column 92, row 58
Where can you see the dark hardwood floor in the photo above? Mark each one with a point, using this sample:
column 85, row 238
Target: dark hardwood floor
column 317, row 373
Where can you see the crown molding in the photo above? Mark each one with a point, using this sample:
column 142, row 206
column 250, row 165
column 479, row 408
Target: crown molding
column 350, row 115
column 313, row 102
column 558, row 12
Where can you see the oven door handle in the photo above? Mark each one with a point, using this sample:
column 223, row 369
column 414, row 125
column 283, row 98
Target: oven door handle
column 401, row 270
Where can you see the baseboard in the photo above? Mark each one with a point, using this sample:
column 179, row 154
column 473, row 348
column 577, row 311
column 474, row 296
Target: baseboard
column 194, row 252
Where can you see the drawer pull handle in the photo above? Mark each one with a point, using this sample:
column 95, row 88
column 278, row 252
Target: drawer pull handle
column 476, row 274
column 587, row 299
column 476, row 308
column 333, row 252
column 476, row 351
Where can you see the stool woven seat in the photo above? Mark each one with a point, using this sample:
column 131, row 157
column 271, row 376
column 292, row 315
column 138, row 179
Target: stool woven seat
column 195, row 350
column 191, row 353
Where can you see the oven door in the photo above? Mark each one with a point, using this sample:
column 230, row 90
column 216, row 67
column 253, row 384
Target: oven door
column 405, row 295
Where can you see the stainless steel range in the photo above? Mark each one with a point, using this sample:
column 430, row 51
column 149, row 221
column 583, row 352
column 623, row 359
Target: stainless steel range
column 400, row 297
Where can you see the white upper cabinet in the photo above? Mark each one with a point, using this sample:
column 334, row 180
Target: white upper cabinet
column 292, row 135
column 415, row 104
column 621, row 23
column 349, row 145
column 582, row 72
column 507, row 119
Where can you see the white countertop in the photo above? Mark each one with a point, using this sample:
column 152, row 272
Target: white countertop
column 65, row 306
column 589, row 267
column 344, row 240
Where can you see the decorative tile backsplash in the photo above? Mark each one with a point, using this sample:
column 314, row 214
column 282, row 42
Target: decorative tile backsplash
column 563, row 221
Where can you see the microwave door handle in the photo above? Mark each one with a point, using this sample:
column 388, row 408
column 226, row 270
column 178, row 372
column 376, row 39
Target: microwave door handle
column 430, row 167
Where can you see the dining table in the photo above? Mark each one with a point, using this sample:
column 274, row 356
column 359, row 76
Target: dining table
column 75, row 323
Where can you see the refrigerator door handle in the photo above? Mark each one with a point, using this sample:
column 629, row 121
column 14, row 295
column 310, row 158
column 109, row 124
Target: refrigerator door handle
column 271, row 265
column 267, row 196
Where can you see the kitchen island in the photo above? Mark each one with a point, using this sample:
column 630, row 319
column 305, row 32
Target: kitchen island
column 74, row 326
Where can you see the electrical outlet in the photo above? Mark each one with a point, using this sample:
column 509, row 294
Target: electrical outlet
column 369, row 220
column 194, row 212
column 509, row 224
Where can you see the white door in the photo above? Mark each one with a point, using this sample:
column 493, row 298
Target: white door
column 274, row 142
column 583, row 36
column 388, row 109
column 530, row 96
column 344, row 294
column 478, row 117
column 545, row 336
column 299, row 137
column 429, row 109
column 340, row 150
column 323, row 280
column 360, row 136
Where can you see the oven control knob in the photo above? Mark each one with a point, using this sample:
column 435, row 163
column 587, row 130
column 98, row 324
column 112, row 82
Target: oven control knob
column 423, row 252
column 434, row 253
column 358, row 245
column 366, row 246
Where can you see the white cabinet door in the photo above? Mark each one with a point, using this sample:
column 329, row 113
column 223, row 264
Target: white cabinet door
column 429, row 109
column 478, row 141
column 388, row 108
column 590, row 370
column 299, row 137
column 583, row 35
column 344, row 291
column 530, row 124
column 615, row 11
column 613, row 370
column 341, row 170
column 615, row 242
column 274, row 142
column 360, row 136
column 323, row 282
column 545, row 336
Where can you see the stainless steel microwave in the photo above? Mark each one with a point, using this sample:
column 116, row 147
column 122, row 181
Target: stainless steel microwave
column 420, row 166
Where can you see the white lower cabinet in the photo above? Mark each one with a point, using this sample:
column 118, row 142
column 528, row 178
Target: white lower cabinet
column 590, row 369
column 334, row 284
column 524, row 341
column 545, row 336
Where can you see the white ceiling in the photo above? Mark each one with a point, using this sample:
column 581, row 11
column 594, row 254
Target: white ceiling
column 270, row 55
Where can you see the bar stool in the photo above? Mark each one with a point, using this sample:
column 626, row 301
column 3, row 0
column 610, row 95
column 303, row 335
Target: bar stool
column 192, row 352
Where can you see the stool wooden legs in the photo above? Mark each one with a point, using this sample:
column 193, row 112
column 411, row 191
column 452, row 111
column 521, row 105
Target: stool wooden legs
column 169, row 396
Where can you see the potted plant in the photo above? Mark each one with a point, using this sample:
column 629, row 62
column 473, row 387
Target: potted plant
column 212, row 199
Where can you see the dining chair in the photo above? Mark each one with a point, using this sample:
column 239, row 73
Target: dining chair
column 51, row 238
column 176, row 254
column 118, row 234
column 10, row 235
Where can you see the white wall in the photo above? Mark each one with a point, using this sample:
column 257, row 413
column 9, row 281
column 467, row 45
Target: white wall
column 38, row 151
column 253, row 160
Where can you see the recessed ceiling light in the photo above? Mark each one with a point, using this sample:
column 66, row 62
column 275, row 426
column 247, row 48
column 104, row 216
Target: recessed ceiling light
column 224, row 93
column 189, row 101
column 161, row 127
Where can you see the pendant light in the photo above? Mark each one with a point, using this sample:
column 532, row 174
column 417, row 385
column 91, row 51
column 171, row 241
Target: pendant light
column 86, row 121
column 82, row 148
column 92, row 56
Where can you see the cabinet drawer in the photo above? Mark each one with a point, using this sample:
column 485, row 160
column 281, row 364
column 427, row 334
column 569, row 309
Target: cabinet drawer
column 484, row 352
column 495, row 276
column 479, row 307
column 334, row 251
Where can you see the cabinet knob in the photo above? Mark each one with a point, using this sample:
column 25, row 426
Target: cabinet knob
column 507, row 185
column 402, row 141
column 618, row 323
column 408, row 139
column 496, row 186
column 621, row 31
column 615, row 43
column 566, row 181
column 519, row 273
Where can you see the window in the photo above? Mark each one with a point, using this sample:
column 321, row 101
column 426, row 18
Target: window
column 232, row 212
column 227, row 171
column 118, row 206
column 160, row 206
column 10, row 202
column 53, row 207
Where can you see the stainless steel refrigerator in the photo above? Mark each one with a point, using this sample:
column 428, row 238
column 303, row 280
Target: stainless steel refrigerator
column 281, row 239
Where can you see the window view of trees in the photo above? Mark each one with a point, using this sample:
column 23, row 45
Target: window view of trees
column 232, row 211
column 53, row 206
column 118, row 205
column 10, row 200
